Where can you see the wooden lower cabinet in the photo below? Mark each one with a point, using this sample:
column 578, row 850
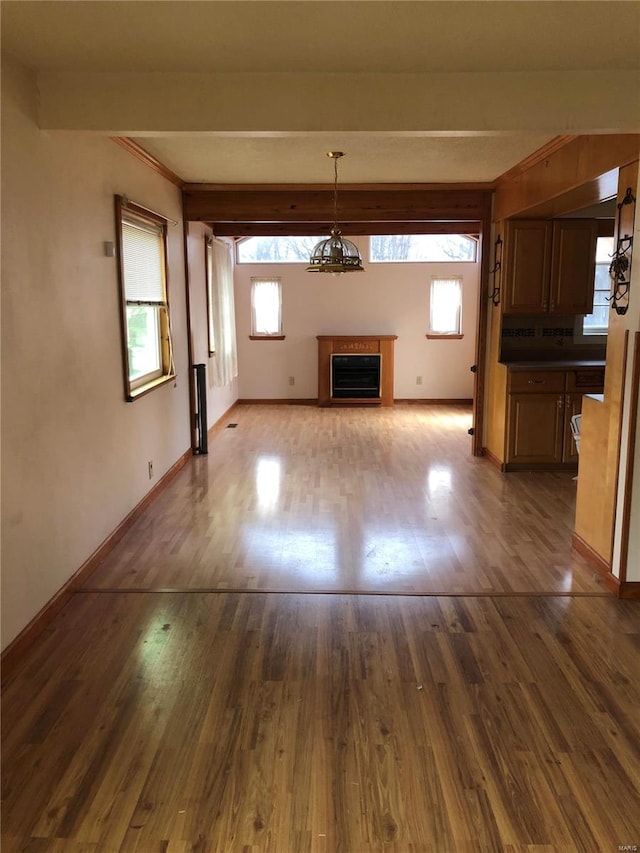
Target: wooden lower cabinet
column 538, row 421
column 536, row 429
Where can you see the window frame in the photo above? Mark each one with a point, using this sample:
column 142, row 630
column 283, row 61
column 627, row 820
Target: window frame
column 257, row 336
column 471, row 237
column 209, row 290
column 296, row 262
column 451, row 336
column 600, row 334
column 134, row 388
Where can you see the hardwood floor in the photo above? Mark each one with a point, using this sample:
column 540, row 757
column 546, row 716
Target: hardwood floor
column 177, row 705
column 294, row 723
column 299, row 498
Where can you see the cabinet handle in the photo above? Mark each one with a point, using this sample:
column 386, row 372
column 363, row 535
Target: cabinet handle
column 560, row 402
column 537, row 382
column 567, row 401
column 553, row 306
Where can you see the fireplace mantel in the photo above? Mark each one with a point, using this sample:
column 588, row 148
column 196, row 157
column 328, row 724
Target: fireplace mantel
column 355, row 345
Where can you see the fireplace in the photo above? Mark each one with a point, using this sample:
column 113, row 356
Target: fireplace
column 355, row 370
column 355, row 376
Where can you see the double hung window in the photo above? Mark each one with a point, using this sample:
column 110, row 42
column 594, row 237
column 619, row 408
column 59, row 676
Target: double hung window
column 147, row 353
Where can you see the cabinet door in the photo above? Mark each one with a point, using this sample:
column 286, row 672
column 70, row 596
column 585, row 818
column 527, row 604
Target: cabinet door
column 536, row 428
column 573, row 406
column 528, row 264
column 573, row 260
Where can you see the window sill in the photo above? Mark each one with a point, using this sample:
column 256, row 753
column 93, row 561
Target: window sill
column 266, row 337
column 134, row 395
column 444, row 337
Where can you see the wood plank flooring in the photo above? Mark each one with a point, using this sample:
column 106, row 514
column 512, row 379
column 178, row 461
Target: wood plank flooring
column 186, row 701
column 299, row 498
column 294, row 723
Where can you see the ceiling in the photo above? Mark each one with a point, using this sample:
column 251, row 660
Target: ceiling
column 395, row 48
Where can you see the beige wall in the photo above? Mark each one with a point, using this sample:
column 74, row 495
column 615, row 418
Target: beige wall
column 219, row 399
column 385, row 299
column 74, row 454
column 544, row 102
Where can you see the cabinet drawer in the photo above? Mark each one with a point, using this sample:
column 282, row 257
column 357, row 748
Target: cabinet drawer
column 536, row 381
column 589, row 380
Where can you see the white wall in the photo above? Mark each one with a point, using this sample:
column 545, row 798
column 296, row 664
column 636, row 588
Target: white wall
column 390, row 299
column 219, row 399
column 74, row 454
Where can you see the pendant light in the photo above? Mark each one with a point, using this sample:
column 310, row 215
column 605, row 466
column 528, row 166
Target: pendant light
column 335, row 254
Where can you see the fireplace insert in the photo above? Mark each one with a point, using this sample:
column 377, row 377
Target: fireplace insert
column 355, row 376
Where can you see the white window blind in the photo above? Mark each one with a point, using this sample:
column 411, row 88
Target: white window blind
column 143, row 255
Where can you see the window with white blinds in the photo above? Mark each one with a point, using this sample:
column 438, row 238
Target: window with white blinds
column 143, row 255
column 146, row 334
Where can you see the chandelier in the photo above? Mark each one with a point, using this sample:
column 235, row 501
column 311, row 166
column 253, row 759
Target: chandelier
column 335, row 254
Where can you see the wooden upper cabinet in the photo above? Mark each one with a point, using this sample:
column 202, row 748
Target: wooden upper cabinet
column 573, row 266
column 528, row 261
column 549, row 267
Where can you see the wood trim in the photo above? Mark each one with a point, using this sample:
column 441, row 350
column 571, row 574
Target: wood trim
column 597, row 562
column 482, row 335
column 538, row 156
column 267, row 337
column 336, row 402
column 12, row 656
column 477, row 186
column 218, row 425
column 147, row 389
column 435, row 401
column 191, row 379
column 278, row 401
column 491, row 457
column 630, row 589
column 444, row 337
column 631, row 447
column 288, row 590
column 149, row 160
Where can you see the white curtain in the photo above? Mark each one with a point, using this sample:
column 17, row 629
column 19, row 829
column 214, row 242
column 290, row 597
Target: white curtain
column 225, row 362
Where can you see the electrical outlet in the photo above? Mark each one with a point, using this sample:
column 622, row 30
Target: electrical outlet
column 418, row 380
column 292, row 380
column 150, row 463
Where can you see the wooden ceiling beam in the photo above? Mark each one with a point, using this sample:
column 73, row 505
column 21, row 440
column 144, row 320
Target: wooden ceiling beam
column 578, row 172
column 260, row 205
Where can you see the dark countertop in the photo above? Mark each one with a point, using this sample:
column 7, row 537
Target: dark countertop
column 575, row 364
